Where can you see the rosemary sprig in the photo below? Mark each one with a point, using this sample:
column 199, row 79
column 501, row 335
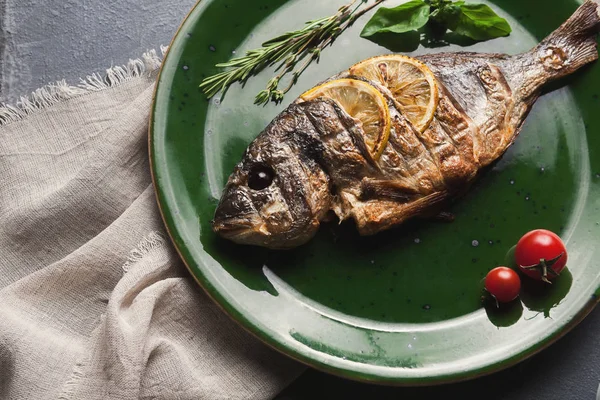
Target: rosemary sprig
column 288, row 50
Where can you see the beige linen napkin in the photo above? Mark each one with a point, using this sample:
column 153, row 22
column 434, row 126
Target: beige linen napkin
column 94, row 302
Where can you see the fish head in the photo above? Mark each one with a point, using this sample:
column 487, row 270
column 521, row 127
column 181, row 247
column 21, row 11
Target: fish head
column 274, row 198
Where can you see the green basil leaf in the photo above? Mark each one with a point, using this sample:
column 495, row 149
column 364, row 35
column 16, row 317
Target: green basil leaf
column 448, row 15
column 480, row 22
column 404, row 18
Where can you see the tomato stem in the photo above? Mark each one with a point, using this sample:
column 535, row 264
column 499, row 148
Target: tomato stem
column 545, row 267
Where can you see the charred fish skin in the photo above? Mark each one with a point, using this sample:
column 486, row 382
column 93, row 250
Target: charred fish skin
column 313, row 158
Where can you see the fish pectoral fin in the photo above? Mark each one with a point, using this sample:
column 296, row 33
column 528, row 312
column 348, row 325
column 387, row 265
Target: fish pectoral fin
column 378, row 215
column 373, row 189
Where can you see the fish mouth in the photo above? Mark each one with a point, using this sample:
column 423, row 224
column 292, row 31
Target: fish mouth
column 239, row 227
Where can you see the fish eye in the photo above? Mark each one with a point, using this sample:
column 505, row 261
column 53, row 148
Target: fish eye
column 260, row 177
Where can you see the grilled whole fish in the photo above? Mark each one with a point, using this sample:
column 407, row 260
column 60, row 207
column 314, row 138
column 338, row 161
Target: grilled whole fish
column 312, row 158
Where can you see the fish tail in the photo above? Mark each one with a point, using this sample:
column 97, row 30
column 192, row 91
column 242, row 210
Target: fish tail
column 573, row 44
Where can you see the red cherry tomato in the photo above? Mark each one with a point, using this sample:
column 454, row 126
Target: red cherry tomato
column 503, row 283
column 541, row 255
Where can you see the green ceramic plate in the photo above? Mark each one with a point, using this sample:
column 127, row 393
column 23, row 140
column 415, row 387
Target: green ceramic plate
column 402, row 307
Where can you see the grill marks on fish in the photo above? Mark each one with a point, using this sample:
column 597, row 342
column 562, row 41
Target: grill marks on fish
column 417, row 167
column 302, row 177
column 319, row 186
column 418, row 163
column 481, row 97
column 449, row 138
column 413, row 163
column 344, row 151
column 494, row 125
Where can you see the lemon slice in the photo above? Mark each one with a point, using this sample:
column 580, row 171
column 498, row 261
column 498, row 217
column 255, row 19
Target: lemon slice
column 362, row 102
column 411, row 82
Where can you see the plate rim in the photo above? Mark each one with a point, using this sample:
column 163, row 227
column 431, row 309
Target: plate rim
column 290, row 352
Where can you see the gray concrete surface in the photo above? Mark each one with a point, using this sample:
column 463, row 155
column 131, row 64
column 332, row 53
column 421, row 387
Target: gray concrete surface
column 42, row 41
column 47, row 40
